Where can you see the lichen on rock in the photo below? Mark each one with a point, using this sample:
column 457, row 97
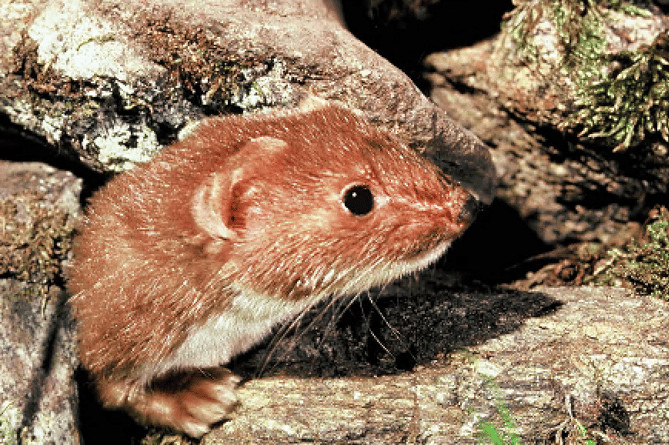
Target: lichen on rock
column 37, row 222
column 604, row 64
column 630, row 104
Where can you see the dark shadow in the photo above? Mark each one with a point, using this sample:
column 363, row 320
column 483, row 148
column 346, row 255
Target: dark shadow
column 496, row 245
column 96, row 425
column 390, row 333
column 405, row 32
column 100, row 426
column 613, row 415
column 45, row 366
column 19, row 145
column 636, row 179
column 397, row 329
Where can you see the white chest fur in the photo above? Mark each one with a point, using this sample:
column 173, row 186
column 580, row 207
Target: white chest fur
column 247, row 321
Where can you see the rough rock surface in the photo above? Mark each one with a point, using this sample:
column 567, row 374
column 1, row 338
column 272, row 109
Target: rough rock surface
column 566, row 189
column 557, row 358
column 38, row 396
column 111, row 82
column 38, row 402
column 429, row 361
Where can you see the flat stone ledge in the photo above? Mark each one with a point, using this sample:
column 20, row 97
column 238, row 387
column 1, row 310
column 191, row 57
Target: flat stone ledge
column 600, row 360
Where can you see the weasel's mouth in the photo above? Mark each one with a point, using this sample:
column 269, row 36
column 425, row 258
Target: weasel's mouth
column 425, row 257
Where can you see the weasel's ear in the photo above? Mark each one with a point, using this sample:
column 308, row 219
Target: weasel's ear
column 209, row 209
column 217, row 204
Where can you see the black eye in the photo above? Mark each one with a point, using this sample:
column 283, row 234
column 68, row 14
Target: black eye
column 359, row 200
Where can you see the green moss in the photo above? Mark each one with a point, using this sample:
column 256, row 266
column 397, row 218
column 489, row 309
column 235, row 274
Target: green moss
column 643, row 264
column 580, row 36
column 99, row 39
column 631, row 103
column 34, row 240
column 498, row 437
column 8, row 416
column 578, row 30
column 208, row 75
column 635, row 8
column 619, row 99
column 507, row 433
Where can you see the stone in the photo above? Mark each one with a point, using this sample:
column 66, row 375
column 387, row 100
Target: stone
column 538, row 365
column 525, row 94
column 432, row 359
column 38, row 394
column 39, row 397
column 112, row 82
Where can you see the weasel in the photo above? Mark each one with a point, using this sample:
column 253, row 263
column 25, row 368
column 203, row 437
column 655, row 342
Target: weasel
column 193, row 257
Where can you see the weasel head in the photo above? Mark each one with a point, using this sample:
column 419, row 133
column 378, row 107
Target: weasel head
column 332, row 206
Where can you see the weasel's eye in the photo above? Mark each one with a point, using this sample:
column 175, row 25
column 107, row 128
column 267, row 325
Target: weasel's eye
column 359, row 200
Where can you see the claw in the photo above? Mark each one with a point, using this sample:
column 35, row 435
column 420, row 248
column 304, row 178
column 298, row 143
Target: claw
column 199, row 401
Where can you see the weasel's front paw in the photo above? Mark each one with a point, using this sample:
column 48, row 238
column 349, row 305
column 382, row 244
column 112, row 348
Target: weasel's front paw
column 189, row 403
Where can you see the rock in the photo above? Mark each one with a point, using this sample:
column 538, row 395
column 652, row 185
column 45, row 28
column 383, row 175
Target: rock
column 112, row 82
column 39, row 399
column 546, row 65
column 39, row 207
column 39, row 396
column 430, row 360
column 556, row 359
column 561, row 185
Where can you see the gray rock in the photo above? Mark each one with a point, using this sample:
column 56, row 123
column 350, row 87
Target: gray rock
column 562, row 191
column 112, row 82
column 534, row 92
column 38, row 396
column 428, row 362
column 588, row 357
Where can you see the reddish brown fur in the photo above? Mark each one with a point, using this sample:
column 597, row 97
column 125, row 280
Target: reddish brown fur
column 145, row 273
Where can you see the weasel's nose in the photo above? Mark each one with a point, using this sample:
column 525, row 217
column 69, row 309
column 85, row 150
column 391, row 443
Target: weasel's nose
column 469, row 209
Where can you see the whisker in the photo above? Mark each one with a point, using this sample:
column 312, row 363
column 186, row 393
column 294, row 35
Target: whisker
column 277, row 339
column 397, row 334
column 334, row 305
column 380, row 343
